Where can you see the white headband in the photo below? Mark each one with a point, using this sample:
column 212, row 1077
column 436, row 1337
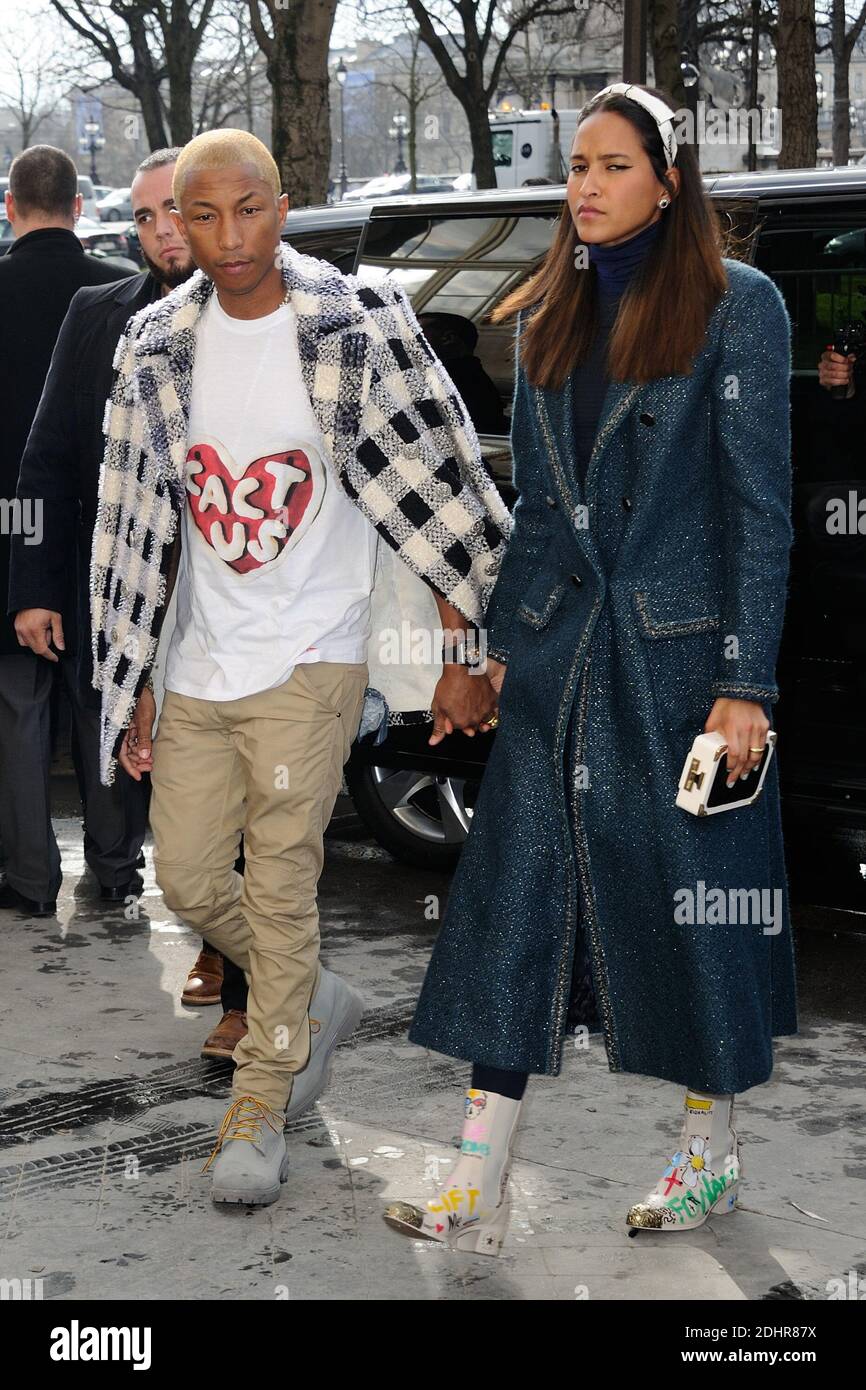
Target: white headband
column 658, row 109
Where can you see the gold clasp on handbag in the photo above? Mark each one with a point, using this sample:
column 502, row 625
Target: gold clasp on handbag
column 694, row 778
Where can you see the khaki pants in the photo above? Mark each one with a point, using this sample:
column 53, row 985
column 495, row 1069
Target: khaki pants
column 268, row 766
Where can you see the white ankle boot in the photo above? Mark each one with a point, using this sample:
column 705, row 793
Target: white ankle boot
column 703, row 1176
column 471, row 1211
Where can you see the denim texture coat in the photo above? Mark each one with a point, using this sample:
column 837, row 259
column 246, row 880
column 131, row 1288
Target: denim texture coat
column 583, row 894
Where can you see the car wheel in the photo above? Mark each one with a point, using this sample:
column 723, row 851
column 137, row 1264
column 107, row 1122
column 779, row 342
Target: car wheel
column 420, row 818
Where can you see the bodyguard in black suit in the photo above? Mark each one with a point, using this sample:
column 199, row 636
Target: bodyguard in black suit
column 41, row 272
column 61, row 466
column 49, row 590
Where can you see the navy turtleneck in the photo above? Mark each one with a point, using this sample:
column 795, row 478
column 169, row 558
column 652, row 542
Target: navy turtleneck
column 615, row 266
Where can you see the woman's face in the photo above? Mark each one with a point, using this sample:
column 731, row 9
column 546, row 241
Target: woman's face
column 613, row 192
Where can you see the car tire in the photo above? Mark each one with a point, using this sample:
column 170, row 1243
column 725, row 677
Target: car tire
column 418, row 818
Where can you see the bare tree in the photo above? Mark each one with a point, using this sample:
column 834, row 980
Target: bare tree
column 798, row 95
column 841, row 44
column 535, row 57
column 665, row 46
column 145, row 43
column 415, row 84
column 471, row 40
column 31, row 88
column 230, row 82
column 296, row 51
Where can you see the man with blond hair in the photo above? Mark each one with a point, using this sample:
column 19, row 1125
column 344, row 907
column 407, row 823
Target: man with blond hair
column 269, row 421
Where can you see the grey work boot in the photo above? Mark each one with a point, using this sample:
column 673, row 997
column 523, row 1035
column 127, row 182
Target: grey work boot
column 250, row 1159
column 335, row 1012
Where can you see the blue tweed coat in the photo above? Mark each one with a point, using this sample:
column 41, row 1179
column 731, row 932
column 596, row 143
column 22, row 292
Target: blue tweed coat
column 621, row 623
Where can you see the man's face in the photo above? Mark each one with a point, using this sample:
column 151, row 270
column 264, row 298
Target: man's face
column 163, row 249
column 232, row 222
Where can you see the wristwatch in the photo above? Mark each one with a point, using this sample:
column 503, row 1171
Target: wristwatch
column 464, row 652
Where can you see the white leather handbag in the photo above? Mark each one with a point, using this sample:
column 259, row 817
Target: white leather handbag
column 703, row 789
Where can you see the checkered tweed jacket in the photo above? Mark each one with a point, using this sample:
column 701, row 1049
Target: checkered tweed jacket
column 397, row 435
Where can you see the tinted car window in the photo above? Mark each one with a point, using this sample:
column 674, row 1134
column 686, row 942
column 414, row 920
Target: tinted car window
column 817, row 257
column 464, row 266
column 818, row 260
column 513, row 237
column 337, row 244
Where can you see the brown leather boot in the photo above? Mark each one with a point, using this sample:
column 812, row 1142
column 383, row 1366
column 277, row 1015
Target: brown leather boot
column 204, row 981
column 227, row 1034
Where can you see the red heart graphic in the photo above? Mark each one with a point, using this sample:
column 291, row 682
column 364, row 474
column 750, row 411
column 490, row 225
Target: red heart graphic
column 239, row 542
column 439, row 1226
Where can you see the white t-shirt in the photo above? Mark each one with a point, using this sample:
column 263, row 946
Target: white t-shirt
column 277, row 563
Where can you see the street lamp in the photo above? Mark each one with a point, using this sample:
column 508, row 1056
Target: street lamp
column 91, row 141
column 398, row 133
column 341, row 74
column 688, row 72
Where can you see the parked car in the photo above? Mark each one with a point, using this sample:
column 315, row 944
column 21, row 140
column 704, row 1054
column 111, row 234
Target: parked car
column 116, row 206
column 88, row 196
column 133, row 244
column 460, row 254
column 99, row 241
column 391, row 184
column 105, row 242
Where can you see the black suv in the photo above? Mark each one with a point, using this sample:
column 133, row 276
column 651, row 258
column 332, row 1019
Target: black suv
column 458, row 255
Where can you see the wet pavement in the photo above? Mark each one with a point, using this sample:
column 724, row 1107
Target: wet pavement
column 107, row 1114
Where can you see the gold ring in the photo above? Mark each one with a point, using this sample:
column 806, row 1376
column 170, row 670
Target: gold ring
column 492, row 721
column 756, row 750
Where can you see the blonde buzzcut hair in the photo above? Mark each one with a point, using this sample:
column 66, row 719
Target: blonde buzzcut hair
column 217, row 149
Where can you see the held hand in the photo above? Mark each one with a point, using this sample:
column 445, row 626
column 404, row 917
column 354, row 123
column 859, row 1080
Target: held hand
column 462, row 701
column 36, row 627
column 744, row 727
column 835, row 370
column 136, row 751
column 496, row 673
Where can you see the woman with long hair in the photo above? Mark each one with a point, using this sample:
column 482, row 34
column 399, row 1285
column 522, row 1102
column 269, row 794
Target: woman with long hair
column 640, row 603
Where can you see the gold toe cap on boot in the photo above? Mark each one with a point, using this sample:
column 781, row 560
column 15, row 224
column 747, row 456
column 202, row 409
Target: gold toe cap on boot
column 408, row 1220
column 647, row 1218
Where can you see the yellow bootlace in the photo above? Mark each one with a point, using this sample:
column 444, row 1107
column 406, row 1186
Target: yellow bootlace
column 245, row 1117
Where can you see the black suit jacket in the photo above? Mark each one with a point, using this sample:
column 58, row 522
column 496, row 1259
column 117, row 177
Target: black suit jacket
column 63, row 457
column 61, row 463
column 38, row 277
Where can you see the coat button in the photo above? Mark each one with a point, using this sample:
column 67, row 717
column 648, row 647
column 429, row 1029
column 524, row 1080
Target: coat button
column 551, row 501
column 647, row 419
column 576, row 580
column 626, row 502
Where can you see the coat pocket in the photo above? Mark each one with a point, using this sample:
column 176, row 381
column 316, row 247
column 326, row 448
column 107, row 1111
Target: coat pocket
column 656, row 621
column 680, row 641
column 542, row 598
